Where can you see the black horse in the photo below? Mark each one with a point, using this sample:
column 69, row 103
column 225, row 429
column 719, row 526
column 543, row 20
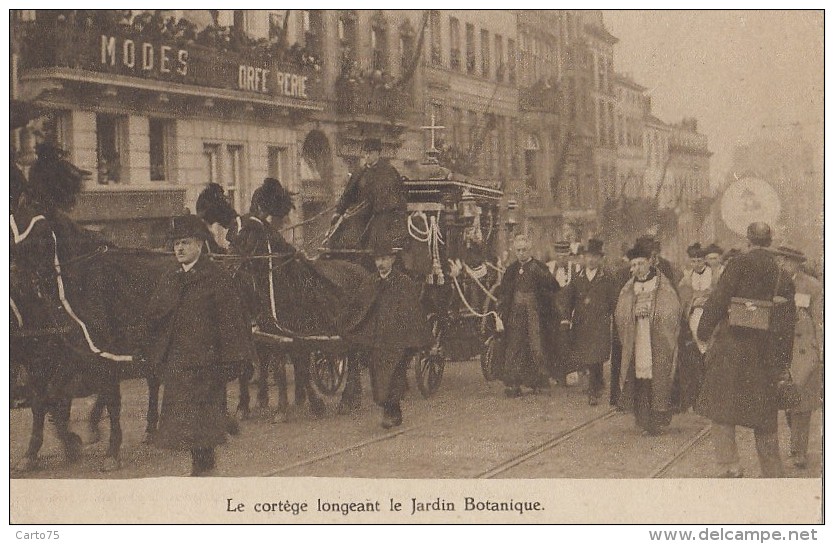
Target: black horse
column 286, row 294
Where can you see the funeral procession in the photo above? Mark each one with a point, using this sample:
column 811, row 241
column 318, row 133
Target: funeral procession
column 415, row 244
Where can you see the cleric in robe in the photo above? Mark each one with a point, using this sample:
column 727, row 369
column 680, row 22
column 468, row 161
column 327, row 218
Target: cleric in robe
column 647, row 319
column 372, row 208
column 525, row 302
column 384, row 321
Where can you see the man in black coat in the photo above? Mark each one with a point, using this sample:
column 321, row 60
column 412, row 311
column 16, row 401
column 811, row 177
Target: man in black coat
column 590, row 300
column 195, row 339
column 383, row 320
column 372, row 209
column 744, row 365
column 525, row 303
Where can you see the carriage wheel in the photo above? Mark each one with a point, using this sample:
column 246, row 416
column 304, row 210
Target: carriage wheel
column 428, row 368
column 489, row 359
column 328, row 371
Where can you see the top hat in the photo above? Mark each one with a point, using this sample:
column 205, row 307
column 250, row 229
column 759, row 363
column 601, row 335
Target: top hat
column 383, row 248
column 188, row 226
column 372, row 144
column 695, row 250
column 595, row 247
column 562, row 248
column 648, row 241
column 790, row 253
column 639, row 251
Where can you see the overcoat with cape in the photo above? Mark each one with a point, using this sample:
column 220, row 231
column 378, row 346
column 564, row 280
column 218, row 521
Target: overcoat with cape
column 664, row 326
column 373, row 207
column 195, row 339
column 743, row 364
column 384, row 318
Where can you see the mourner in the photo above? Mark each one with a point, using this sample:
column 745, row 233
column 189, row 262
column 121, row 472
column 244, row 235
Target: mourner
column 195, row 339
column 712, row 257
column 525, row 302
column 590, row 298
column 652, row 245
column 751, row 353
column 372, row 209
column 806, row 359
column 647, row 318
column 694, row 290
column 559, row 361
column 383, row 320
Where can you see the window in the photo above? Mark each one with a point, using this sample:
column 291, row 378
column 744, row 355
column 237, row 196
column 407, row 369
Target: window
column 436, row 39
column 346, row 29
column 485, row 61
column 110, row 144
column 159, row 132
column 530, row 168
column 611, row 134
column 454, row 41
column 313, row 23
column 224, row 165
column 511, row 60
column 276, row 26
column 239, row 21
column 500, row 67
column 602, row 132
column 470, row 48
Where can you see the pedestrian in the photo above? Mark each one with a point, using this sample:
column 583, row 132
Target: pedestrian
column 590, row 299
column 750, row 353
column 712, row 256
column 372, row 208
column 620, row 271
column 384, row 322
column 806, row 359
column 195, row 339
column 559, row 361
column 697, row 284
column 525, row 302
column 647, row 318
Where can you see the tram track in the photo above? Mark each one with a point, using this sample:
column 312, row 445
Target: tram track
column 660, row 470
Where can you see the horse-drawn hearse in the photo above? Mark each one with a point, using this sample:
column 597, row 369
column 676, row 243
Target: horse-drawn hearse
column 76, row 298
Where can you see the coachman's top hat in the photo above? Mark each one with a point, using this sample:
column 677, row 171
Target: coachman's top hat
column 188, row 226
column 713, row 249
column 695, row 250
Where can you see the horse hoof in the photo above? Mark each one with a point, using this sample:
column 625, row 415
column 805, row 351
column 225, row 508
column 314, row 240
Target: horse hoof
column 73, row 447
column 27, row 464
column 111, row 464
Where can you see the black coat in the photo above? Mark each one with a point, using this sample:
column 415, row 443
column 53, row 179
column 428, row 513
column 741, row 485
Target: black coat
column 743, row 365
column 592, row 304
column 374, row 203
column 195, row 339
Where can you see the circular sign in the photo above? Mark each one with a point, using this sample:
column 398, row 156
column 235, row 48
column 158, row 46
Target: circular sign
column 749, row 200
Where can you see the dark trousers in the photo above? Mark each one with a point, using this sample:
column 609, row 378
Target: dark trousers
column 648, row 419
column 800, row 425
column 596, row 382
column 352, row 394
column 616, row 364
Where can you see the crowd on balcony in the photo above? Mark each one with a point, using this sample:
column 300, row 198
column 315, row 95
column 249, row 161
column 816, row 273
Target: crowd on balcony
column 160, row 25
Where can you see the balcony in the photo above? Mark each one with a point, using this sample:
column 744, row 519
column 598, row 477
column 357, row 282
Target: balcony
column 362, row 97
column 217, row 57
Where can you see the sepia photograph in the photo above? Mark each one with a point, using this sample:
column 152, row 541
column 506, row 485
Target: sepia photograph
column 416, row 266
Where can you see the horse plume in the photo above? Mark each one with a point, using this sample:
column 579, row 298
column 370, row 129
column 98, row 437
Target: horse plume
column 212, row 206
column 55, row 182
column 273, row 199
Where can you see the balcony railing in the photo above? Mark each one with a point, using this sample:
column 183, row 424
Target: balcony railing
column 172, row 57
column 362, row 97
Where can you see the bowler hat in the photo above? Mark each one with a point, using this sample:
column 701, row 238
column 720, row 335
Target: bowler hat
column 695, row 250
column 372, row 144
column 595, row 247
column 790, row 253
column 188, row 226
